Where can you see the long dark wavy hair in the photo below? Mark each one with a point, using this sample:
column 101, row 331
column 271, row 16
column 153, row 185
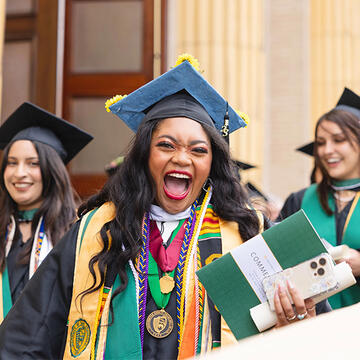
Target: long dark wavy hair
column 350, row 125
column 58, row 206
column 132, row 191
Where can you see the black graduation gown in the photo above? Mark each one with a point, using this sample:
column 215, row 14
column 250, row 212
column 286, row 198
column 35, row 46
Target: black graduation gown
column 18, row 272
column 36, row 326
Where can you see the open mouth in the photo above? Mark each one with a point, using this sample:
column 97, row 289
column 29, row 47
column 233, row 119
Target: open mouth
column 177, row 185
column 332, row 162
column 21, row 186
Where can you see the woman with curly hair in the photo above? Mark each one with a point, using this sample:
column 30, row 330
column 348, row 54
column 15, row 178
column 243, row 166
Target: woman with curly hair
column 123, row 281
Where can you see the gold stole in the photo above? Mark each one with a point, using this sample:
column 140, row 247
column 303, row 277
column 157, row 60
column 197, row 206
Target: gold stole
column 82, row 321
column 84, row 311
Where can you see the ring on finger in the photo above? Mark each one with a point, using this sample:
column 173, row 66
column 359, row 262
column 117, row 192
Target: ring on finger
column 302, row 316
column 291, row 318
column 312, row 308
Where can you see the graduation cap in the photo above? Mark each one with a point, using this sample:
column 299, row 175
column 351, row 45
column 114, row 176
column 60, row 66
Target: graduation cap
column 181, row 91
column 254, row 191
column 30, row 122
column 243, row 165
column 349, row 101
column 307, row 149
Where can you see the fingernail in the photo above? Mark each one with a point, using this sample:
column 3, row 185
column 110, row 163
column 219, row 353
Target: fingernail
column 290, row 284
column 281, row 288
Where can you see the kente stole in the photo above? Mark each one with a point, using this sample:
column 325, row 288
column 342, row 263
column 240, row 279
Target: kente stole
column 121, row 340
column 325, row 225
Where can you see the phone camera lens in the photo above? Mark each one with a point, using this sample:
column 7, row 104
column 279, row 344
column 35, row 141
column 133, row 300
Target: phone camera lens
column 321, row 271
column 322, row 261
column 313, row 265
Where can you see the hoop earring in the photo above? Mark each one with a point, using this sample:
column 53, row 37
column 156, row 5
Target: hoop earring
column 207, row 183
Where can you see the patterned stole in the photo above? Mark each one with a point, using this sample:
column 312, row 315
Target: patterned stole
column 41, row 247
column 87, row 340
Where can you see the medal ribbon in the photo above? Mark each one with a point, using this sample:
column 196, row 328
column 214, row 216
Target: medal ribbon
column 168, row 258
column 161, row 300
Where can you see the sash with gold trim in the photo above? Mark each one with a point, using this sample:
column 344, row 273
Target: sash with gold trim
column 87, row 340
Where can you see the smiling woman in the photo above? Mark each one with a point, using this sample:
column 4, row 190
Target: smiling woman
column 22, row 176
column 179, row 163
column 129, row 289
column 36, row 196
column 333, row 205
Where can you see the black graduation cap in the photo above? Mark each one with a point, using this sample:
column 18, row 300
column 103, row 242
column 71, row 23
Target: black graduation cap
column 243, row 165
column 30, row 122
column 254, row 191
column 307, row 149
column 349, row 101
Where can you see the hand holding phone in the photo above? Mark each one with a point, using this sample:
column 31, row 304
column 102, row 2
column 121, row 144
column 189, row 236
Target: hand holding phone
column 311, row 277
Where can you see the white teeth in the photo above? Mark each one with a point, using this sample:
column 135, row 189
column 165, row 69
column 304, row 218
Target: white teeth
column 331, row 161
column 21, row 185
column 179, row 176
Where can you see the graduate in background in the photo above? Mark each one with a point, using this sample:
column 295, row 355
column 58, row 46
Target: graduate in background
column 333, row 205
column 308, row 149
column 36, row 199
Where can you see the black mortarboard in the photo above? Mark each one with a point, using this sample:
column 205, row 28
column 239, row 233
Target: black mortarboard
column 254, row 191
column 243, row 166
column 183, row 78
column 307, row 149
column 30, row 122
column 349, row 101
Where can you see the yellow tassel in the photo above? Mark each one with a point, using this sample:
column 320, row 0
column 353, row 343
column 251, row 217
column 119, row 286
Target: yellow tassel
column 187, row 57
column 113, row 100
column 244, row 116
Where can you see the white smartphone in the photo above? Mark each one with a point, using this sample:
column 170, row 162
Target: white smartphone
column 311, row 277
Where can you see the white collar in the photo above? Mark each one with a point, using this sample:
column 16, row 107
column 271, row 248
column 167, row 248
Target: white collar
column 158, row 214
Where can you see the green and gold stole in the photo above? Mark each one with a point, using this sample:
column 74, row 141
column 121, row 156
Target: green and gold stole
column 325, row 225
column 90, row 337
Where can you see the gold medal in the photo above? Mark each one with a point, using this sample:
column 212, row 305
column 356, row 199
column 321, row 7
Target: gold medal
column 159, row 324
column 167, row 284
